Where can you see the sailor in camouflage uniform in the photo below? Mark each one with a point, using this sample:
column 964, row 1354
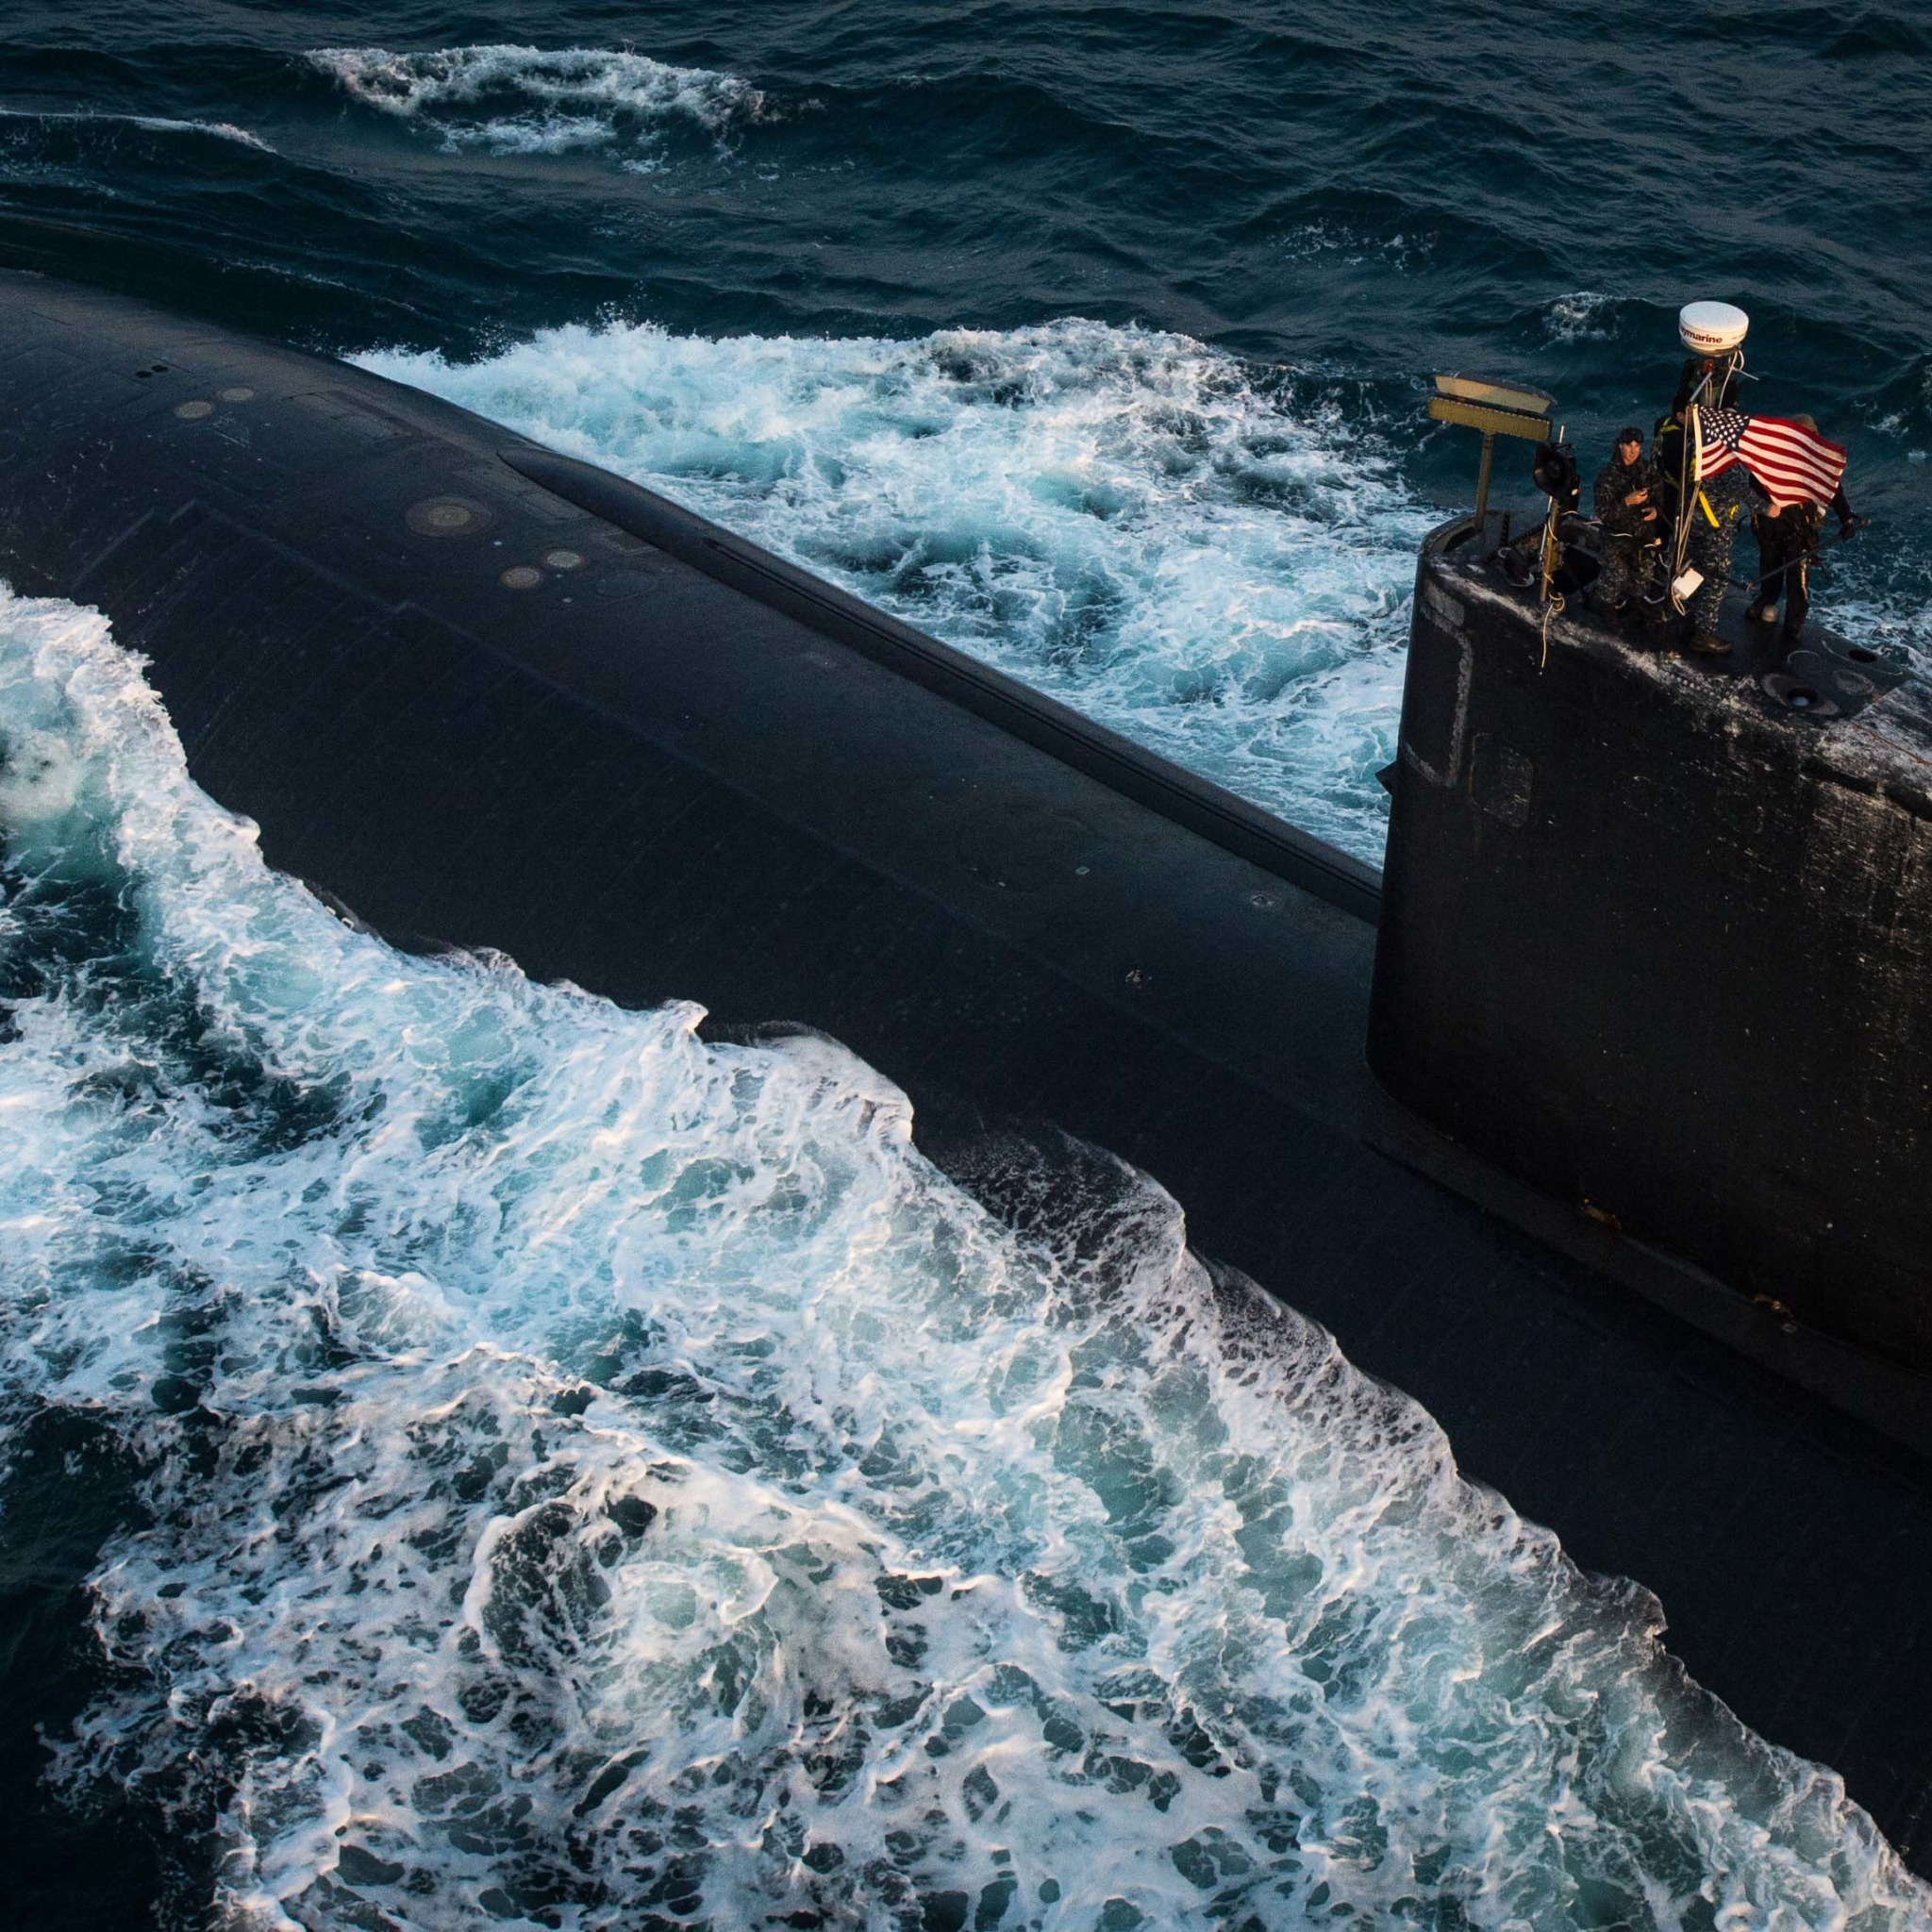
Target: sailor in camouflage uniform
column 1710, row 381
column 1718, row 507
column 1624, row 500
column 1788, row 535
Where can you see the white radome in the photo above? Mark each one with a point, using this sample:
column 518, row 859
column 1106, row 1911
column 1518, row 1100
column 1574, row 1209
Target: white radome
column 1712, row 328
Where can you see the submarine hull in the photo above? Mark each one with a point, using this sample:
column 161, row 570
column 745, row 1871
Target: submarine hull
column 675, row 766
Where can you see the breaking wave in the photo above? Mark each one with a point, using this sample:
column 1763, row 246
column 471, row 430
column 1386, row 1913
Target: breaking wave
column 1208, row 558
column 151, row 123
column 524, row 100
column 606, row 1478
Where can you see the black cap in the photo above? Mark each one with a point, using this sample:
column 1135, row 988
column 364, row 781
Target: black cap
column 1624, row 435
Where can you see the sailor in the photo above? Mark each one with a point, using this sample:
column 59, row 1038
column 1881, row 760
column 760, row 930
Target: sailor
column 1624, row 502
column 1711, row 382
column 1716, row 508
column 1788, row 540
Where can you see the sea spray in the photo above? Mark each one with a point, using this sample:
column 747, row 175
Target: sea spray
column 598, row 1476
column 106, row 126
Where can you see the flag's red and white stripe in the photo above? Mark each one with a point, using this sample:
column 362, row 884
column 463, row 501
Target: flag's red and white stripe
column 1795, row 464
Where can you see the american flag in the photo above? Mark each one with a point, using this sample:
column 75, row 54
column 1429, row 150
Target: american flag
column 1795, row 464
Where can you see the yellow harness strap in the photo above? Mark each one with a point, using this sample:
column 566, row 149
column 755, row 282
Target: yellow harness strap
column 1704, row 504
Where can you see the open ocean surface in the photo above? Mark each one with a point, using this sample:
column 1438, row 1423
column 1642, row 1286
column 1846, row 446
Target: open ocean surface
column 517, row 1463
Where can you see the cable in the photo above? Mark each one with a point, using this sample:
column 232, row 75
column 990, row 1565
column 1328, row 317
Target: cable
column 1772, row 575
column 1692, row 433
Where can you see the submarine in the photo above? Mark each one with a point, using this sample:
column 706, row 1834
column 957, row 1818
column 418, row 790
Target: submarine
column 1595, row 1121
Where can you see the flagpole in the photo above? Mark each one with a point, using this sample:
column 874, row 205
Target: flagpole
column 1689, row 465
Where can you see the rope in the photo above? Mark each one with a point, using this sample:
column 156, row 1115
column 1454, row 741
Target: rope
column 1550, row 557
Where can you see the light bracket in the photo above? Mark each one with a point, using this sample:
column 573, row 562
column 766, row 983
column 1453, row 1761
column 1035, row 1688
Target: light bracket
column 1495, row 409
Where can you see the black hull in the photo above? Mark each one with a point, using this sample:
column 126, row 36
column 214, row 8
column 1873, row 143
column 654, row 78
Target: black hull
column 1657, row 941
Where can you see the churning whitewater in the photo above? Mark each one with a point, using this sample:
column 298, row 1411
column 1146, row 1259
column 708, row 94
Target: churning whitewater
column 594, row 1474
column 524, row 100
column 1206, row 556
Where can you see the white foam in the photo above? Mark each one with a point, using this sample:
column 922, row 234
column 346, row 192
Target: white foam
column 528, row 100
column 219, row 130
column 1892, row 619
column 1579, row 317
column 153, row 124
column 976, row 1563
column 1310, row 240
column 1213, row 561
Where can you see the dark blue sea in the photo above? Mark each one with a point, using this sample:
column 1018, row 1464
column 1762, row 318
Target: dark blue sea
column 519, row 1463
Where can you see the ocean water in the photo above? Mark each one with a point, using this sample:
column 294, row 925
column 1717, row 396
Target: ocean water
column 592, row 1476
column 524, row 1462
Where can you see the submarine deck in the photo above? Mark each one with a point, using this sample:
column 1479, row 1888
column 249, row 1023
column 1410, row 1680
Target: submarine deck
column 679, row 768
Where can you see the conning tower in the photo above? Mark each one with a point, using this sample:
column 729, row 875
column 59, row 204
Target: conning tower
column 1656, row 937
